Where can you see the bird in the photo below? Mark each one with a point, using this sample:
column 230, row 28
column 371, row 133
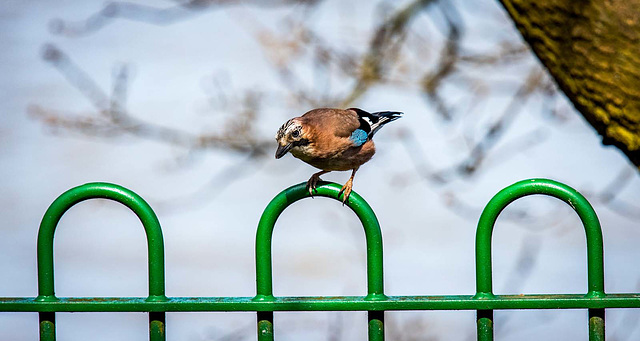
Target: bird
column 332, row 140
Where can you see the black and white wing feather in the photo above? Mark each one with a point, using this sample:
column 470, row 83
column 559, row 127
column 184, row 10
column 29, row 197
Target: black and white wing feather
column 372, row 122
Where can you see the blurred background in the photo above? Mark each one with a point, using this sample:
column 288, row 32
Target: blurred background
column 179, row 101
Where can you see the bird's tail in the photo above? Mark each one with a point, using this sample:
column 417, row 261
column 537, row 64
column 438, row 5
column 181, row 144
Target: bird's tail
column 371, row 122
column 383, row 117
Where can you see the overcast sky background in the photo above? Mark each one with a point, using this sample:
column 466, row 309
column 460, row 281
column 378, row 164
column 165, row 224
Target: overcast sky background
column 318, row 244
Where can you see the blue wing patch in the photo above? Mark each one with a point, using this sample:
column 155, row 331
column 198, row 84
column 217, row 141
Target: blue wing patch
column 359, row 137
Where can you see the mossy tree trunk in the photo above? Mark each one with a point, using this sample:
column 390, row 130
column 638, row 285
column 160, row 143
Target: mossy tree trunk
column 592, row 49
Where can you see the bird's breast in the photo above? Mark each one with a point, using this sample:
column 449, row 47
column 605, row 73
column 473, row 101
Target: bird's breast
column 336, row 159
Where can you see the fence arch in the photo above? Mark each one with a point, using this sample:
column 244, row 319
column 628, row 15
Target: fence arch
column 484, row 301
column 593, row 231
column 155, row 247
column 373, row 236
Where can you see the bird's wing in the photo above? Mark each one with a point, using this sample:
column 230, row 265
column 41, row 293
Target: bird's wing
column 336, row 122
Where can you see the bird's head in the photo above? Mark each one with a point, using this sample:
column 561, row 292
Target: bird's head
column 290, row 136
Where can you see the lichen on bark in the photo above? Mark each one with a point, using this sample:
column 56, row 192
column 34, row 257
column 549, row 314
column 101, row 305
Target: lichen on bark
column 592, row 50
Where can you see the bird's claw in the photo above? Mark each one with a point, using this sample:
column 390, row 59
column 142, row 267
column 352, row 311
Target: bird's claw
column 346, row 189
column 312, row 184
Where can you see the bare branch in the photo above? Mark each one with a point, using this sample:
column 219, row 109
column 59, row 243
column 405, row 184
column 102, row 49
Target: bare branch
column 383, row 49
column 152, row 15
column 446, row 64
column 112, row 119
column 491, row 137
column 609, row 196
column 508, row 52
column 76, row 76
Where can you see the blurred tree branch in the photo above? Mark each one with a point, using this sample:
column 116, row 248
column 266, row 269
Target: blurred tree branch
column 402, row 51
column 383, row 50
column 154, row 15
column 113, row 119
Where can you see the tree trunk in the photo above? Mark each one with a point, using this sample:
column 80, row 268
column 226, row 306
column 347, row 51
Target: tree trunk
column 592, row 50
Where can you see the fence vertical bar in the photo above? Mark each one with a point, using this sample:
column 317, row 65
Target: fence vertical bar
column 373, row 236
column 155, row 248
column 596, row 324
column 593, row 231
column 376, row 325
column 47, row 326
column 265, row 325
column 484, row 321
column 156, row 326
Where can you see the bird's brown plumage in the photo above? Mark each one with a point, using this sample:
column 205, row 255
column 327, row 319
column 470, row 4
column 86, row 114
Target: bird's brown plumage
column 328, row 131
column 336, row 122
column 332, row 140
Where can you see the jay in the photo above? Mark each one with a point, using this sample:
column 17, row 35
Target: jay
column 332, row 140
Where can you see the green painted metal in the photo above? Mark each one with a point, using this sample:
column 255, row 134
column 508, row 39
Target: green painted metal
column 373, row 236
column 265, row 325
column 595, row 253
column 52, row 216
column 321, row 303
column 484, row 326
column 596, row 324
column 376, row 325
column 595, row 249
column 264, row 304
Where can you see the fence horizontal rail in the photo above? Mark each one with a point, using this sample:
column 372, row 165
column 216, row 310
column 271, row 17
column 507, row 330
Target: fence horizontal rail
column 320, row 303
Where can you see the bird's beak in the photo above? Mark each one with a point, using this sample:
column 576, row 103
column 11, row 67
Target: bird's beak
column 283, row 150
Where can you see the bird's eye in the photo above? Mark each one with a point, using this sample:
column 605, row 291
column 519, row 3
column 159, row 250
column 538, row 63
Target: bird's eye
column 295, row 134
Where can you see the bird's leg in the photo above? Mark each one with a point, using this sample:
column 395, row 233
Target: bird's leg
column 347, row 187
column 313, row 181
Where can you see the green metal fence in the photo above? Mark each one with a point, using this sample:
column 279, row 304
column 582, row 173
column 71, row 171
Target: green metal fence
column 46, row 304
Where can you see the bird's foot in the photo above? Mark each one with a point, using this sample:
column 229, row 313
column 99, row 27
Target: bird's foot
column 346, row 189
column 313, row 183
